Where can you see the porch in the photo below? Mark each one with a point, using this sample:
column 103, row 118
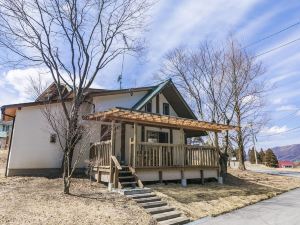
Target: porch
column 147, row 156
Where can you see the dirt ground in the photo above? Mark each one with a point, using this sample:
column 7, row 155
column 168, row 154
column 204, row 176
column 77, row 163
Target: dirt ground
column 212, row 199
column 38, row 200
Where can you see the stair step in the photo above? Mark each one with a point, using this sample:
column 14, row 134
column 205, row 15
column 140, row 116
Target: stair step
column 137, row 196
column 166, row 215
column 162, row 209
column 127, row 183
column 137, row 191
column 153, row 204
column 126, row 177
column 124, row 171
column 175, row 221
column 148, row 199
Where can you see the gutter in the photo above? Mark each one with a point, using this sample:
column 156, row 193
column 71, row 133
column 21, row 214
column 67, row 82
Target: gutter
column 10, row 142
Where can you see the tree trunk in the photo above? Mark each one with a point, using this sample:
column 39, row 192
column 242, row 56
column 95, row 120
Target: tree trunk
column 66, row 178
column 240, row 143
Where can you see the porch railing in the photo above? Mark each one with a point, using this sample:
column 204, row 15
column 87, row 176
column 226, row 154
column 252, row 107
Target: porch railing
column 145, row 154
column 100, row 153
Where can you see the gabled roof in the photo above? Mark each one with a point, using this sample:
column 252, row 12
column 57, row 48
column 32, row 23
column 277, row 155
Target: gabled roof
column 169, row 90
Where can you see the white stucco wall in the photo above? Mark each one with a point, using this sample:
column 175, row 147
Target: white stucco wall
column 103, row 103
column 31, row 147
column 162, row 100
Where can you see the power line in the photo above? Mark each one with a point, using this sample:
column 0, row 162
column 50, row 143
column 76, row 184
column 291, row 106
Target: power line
column 295, row 128
column 272, row 35
column 278, row 47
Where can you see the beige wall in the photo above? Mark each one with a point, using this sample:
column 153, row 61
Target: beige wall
column 175, row 174
column 31, row 147
column 126, row 100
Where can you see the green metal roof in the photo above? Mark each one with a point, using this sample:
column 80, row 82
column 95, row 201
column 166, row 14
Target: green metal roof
column 155, row 90
column 170, row 89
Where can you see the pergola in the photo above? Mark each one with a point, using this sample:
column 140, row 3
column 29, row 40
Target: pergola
column 134, row 116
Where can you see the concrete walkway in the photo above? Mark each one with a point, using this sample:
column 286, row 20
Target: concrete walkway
column 280, row 210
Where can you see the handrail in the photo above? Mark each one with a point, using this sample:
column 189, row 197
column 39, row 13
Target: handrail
column 101, row 142
column 116, row 162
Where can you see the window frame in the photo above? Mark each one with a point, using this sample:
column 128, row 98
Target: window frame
column 164, row 109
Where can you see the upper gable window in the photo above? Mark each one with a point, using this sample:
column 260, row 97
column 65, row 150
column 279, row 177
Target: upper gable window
column 149, row 107
column 166, row 109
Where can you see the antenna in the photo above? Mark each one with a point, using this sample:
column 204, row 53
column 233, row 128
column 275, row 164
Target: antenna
column 120, row 77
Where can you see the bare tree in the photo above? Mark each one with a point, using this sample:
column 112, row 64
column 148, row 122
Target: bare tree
column 74, row 40
column 244, row 76
column 222, row 88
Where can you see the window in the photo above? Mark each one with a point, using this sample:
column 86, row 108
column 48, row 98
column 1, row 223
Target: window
column 149, row 107
column 166, row 109
column 105, row 132
column 52, row 138
column 157, row 137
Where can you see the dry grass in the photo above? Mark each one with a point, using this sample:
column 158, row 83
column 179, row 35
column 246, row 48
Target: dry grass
column 241, row 189
column 38, row 200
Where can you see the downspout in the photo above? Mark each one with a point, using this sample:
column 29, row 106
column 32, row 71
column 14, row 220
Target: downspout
column 10, row 141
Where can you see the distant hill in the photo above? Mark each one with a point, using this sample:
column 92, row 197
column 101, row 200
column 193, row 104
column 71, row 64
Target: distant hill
column 288, row 152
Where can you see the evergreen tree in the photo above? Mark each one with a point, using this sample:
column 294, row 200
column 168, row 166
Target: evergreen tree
column 251, row 156
column 261, row 157
column 271, row 159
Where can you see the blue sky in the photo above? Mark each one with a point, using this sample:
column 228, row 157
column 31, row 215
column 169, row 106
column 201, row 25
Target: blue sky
column 177, row 22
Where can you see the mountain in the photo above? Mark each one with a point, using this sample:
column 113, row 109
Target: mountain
column 288, row 152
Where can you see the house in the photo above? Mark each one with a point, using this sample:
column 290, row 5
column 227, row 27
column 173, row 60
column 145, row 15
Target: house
column 285, row 164
column 5, row 129
column 141, row 133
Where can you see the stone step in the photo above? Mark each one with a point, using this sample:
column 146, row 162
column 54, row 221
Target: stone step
column 148, row 199
column 166, row 215
column 162, row 209
column 147, row 195
column 175, row 221
column 153, row 204
column 137, row 191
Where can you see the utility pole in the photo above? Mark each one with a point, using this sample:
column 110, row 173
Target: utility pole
column 253, row 138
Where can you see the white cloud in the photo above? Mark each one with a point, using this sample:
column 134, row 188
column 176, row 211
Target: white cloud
column 274, row 129
column 298, row 113
column 286, row 108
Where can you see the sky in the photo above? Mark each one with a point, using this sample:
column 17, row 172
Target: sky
column 175, row 22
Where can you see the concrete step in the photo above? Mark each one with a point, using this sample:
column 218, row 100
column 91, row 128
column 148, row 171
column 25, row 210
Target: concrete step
column 175, row 221
column 162, row 209
column 147, row 199
column 147, row 195
column 166, row 215
column 137, row 191
column 153, row 204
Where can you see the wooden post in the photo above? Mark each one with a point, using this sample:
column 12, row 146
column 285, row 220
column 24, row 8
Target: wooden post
column 182, row 150
column 116, row 178
column 202, row 176
column 160, row 176
column 134, row 143
column 113, row 137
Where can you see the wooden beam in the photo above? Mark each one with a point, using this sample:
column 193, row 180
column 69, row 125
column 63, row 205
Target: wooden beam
column 134, row 142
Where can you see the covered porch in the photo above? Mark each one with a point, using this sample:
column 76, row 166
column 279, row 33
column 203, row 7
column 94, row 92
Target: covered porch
column 152, row 147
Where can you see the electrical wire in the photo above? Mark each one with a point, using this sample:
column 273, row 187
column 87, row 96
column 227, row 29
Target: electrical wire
column 272, row 35
column 276, row 48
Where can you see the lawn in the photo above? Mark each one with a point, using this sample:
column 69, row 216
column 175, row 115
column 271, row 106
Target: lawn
column 39, row 200
column 212, row 199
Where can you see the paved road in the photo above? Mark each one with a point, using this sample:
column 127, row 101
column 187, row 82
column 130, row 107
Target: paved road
column 277, row 172
column 280, row 210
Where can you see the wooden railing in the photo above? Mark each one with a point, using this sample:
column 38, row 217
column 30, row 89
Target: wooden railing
column 115, row 167
column 205, row 156
column 147, row 154
column 100, row 153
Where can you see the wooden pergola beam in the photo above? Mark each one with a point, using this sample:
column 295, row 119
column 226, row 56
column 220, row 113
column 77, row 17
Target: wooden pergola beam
column 133, row 116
